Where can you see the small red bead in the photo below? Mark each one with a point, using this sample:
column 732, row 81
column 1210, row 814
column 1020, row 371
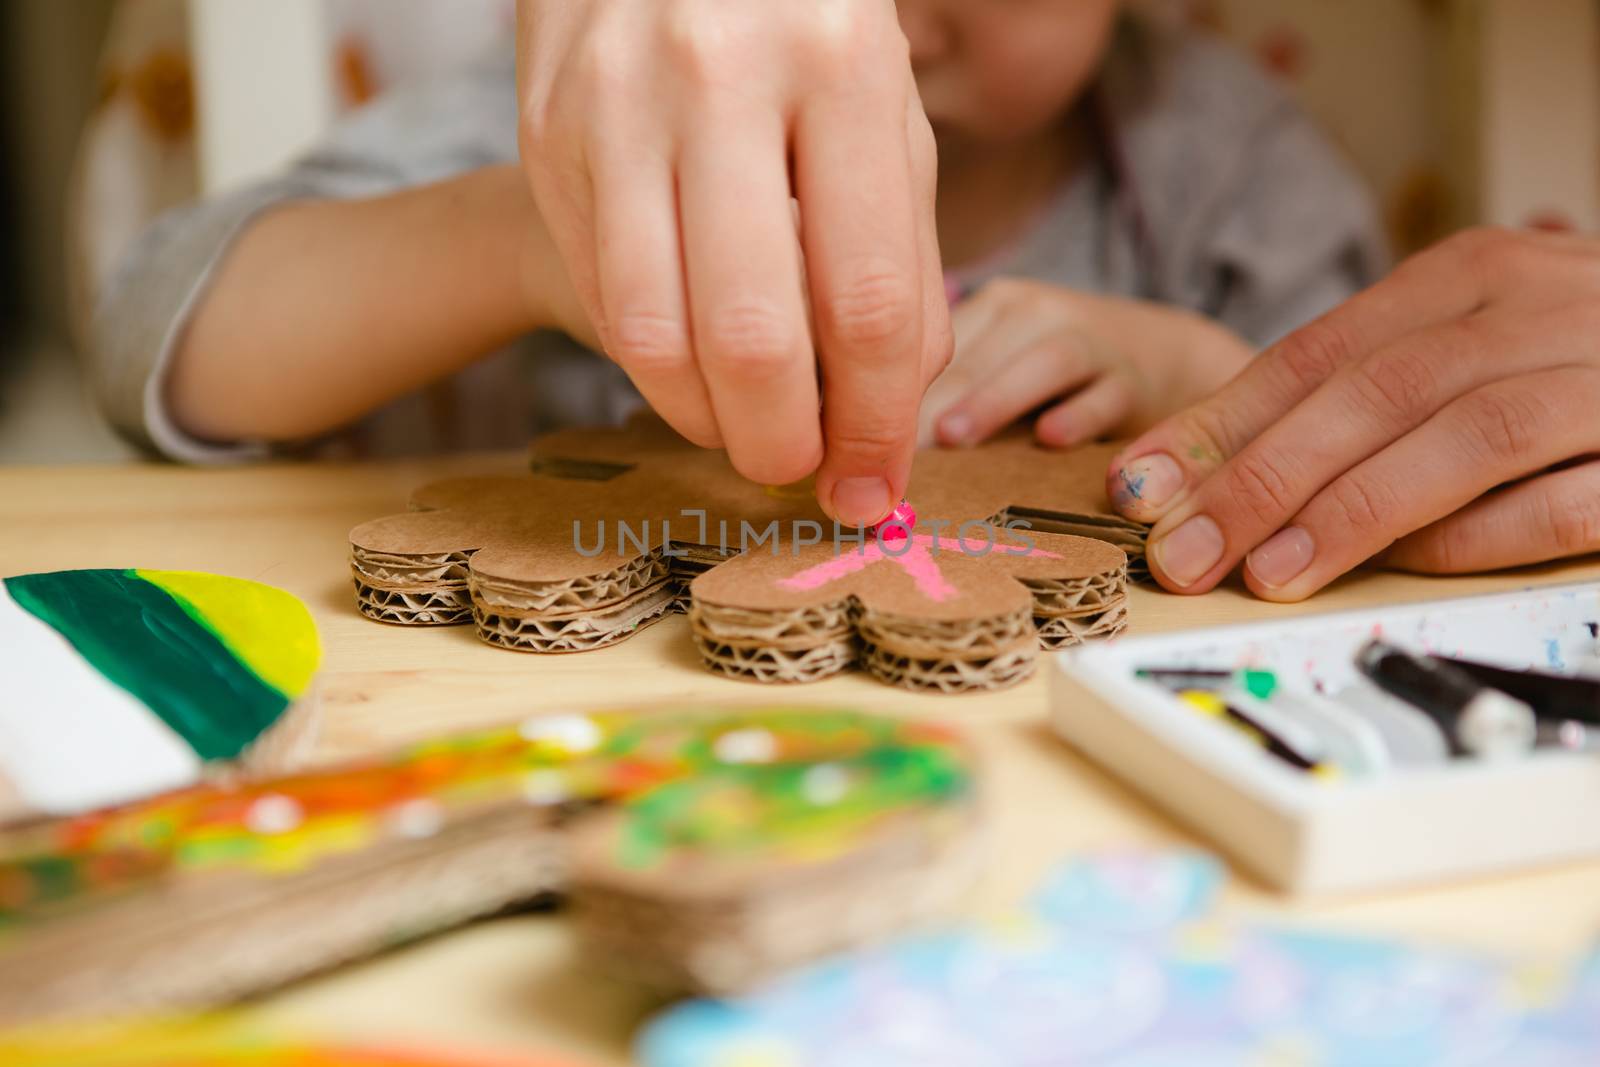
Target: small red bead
column 901, row 521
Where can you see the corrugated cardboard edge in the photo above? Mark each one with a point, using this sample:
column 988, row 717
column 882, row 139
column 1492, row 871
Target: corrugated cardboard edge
column 446, row 582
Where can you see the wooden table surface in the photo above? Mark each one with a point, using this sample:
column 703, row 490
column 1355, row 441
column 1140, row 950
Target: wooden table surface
column 514, row 983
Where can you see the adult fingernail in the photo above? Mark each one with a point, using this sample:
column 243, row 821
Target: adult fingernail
column 861, row 501
column 1147, row 483
column 1186, row 554
column 1282, row 558
column 955, row 429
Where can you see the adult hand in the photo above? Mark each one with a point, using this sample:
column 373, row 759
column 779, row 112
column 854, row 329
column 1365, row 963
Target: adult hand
column 666, row 142
column 1098, row 365
column 1444, row 420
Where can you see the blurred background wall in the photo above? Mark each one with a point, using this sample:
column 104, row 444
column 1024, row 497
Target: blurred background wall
column 48, row 55
column 1456, row 111
column 49, row 51
column 112, row 111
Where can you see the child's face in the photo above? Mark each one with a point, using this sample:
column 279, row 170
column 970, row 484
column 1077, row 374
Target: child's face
column 997, row 70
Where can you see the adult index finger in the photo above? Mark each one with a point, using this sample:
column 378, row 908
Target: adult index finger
column 858, row 210
column 748, row 318
column 1161, row 468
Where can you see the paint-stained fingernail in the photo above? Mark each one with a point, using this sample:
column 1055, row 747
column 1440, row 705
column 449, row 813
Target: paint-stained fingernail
column 1188, row 553
column 1147, row 484
column 861, row 501
column 1282, row 558
column 955, row 429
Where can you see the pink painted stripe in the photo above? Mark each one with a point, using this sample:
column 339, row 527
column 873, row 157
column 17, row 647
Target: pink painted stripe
column 917, row 560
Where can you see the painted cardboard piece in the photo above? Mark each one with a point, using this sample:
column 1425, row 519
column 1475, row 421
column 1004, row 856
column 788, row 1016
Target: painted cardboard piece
column 704, row 850
column 127, row 683
column 236, row 1040
column 1015, row 548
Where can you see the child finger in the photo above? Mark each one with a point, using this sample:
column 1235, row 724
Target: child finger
column 640, row 265
column 973, row 319
column 1551, row 516
column 1094, row 411
column 1491, row 436
column 992, row 328
column 1019, row 385
column 980, row 347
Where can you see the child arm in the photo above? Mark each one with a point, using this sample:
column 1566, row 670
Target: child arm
column 324, row 310
column 420, row 167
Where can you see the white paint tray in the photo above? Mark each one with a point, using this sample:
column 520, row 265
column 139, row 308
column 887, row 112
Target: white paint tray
column 1306, row 834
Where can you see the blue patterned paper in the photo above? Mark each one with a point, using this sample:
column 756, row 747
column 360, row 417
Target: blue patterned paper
column 1114, row 965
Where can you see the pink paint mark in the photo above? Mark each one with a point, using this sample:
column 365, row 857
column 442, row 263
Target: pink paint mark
column 836, row 568
column 924, row 570
column 916, row 559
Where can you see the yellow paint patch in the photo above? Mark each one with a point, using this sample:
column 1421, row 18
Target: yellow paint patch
column 270, row 631
column 1205, row 702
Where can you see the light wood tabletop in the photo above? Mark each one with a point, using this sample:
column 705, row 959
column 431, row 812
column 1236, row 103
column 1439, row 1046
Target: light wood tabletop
column 515, row 983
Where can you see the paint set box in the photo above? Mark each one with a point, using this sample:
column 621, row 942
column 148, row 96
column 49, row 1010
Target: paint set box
column 1316, row 833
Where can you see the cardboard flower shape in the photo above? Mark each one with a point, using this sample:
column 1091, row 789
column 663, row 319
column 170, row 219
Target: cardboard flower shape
column 1014, row 550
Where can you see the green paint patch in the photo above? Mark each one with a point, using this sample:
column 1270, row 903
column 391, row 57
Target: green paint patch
column 878, row 770
column 144, row 641
column 1260, row 684
column 269, row 630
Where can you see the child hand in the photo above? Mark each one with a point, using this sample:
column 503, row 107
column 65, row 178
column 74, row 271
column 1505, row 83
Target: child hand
column 1099, row 365
column 666, row 141
column 1444, row 418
